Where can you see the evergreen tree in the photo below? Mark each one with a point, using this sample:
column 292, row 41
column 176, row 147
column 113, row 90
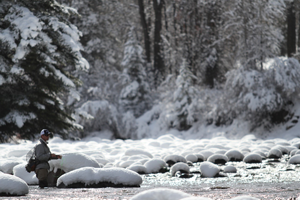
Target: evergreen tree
column 39, row 53
column 135, row 96
column 180, row 104
column 252, row 31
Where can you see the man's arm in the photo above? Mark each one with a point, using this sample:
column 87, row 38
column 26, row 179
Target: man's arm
column 40, row 155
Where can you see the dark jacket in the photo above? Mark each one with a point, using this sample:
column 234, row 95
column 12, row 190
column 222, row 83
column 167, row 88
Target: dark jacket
column 42, row 154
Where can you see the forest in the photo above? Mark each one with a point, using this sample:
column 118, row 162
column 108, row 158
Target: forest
column 78, row 67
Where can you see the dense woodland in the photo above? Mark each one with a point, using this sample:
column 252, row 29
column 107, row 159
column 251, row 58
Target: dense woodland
column 82, row 66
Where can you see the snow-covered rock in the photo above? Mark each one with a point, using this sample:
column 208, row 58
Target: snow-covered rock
column 11, row 185
column 72, row 161
column 217, row 159
column 234, row 155
column 155, row 165
column 244, row 198
column 230, row 169
column 294, row 159
column 99, row 177
column 192, row 158
column 131, row 152
column 253, row 158
column 274, row 153
column 209, row 169
column 20, row 171
column 206, row 153
column 7, row 166
column 196, row 198
column 140, row 169
column 161, row 194
column 172, row 159
column 182, row 167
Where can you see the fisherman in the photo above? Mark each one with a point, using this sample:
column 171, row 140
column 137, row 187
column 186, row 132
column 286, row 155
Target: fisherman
column 43, row 155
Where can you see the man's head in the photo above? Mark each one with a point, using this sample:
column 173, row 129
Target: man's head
column 45, row 134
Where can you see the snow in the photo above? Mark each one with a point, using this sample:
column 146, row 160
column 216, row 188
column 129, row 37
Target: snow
column 12, row 185
column 94, row 159
column 183, row 167
column 209, row 169
column 90, row 175
column 161, row 194
column 71, row 161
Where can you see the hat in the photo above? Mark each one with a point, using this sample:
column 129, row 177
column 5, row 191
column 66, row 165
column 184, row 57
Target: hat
column 45, row 132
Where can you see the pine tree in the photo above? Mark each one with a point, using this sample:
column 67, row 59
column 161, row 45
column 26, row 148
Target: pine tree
column 252, row 32
column 179, row 104
column 39, row 53
column 135, row 96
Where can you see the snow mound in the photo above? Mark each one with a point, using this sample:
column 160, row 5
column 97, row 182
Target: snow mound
column 230, row 169
column 244, row 198
column 196, row 198
column 274, row 153
column 11, row 185
column 99, row 177
column 7, row 166
column 172, row 159
column 131, row 152
column 234, row 155
column 155, row 165
column 253, row 158
column 209, row 169
column 72, row 161
column 294, row 159
column 192, row 158
column 29, row 178
column 160, row 194
column 217, row 159
column 140, row 169
column 182, row 167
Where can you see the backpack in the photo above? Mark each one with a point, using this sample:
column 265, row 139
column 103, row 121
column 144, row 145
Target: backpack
column 31, row 161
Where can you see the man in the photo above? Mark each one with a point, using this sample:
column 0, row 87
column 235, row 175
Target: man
column 43, row 155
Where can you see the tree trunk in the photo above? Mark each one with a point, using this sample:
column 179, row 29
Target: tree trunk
column 291, row 30
column 158, row 59
column 145, row 30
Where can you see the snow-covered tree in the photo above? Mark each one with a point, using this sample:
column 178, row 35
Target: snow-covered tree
column 263, row 98
column 252, row 31
column 40, row 51
column 135, row 96
column 180, row 104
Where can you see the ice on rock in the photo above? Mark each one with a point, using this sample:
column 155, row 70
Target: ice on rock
column 161, row 194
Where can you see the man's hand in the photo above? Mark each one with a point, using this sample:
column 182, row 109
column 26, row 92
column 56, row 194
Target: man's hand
column 54, row 156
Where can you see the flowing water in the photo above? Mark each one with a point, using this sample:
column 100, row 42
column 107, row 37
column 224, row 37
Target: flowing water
column 268, row 180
